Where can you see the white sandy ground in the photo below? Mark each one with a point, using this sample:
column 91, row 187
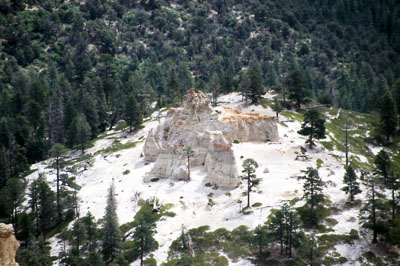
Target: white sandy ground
column 190, row 199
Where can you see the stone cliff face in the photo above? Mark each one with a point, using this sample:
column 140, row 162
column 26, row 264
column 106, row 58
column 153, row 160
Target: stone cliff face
column 209, row 132
column 8, row 245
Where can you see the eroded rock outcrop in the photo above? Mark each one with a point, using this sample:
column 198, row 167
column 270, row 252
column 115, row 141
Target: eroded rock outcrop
column 209, row 132
column 8, row 245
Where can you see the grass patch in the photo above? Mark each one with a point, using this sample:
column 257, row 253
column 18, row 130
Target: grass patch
column 372, row 258
column 126, row 172
column 257, row 204
column 327, row 145
column 117, row 146
column 292, row 115
column 122, row 125
column 319, row 163
column 350, row 204
column 331, row 221
column 74, row 161
column 360, row 124
column 234, row 244
column 28, row 172
column 293, row 201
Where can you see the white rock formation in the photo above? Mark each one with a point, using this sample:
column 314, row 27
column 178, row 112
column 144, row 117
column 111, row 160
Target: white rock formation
column 8, row 245
column 209, row 132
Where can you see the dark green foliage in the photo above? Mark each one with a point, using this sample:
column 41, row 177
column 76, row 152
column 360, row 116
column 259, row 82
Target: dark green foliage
column 132, row 113
column 284, row 227
column 297, row 86
column 388, row 116
column 11, row 198
column 43, row 205
column 312, row 187
column 144, row 228
column 313, row 126
column 277, row 107
column 61, row 58
column 383, row 166
column 80, row 130
column 249, row 169
column 57, row 152
column 255, row 83
column 351, row 187
column 112, row 237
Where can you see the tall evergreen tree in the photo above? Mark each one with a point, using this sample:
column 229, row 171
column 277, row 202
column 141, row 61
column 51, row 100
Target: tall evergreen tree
column 383, row 166
column 144, row 228
column 112, row 236
column 388, row 116
column 132, row 113
column 57, row 152
column 11, row 198
column 371, row 211
column 188, row 153
column 312, row 187
column 249, row 169
column 260, row 238
column 313, row 126
column 351, row 187
column 297, row 86
column 81, row 131
column 255, row 89
column 42, row 202
column 215, row 89
column 284, row 225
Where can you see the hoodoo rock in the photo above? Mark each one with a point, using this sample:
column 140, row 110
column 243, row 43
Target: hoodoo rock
column 8, row 245
column 210, row 134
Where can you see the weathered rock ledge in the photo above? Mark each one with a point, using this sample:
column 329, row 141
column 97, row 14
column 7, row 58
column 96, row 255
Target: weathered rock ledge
column 8, row 245
column 210, row 133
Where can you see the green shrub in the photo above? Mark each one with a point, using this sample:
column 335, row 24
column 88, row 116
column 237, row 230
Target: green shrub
column 126, row 172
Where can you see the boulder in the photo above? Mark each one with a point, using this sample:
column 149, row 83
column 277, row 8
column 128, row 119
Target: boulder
column 8, row 245
column 210, row 134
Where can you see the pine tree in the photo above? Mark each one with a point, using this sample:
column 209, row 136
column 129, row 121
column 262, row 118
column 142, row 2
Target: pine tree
column 255, row 89
column 188, row 153
column 393, row 184
column 297, row 86
column 215, row 89
column 144, row 228
column 107, row 71
column 370, row 212
column 57, row 152
column 383, row 165
column 11, row 198
column 350, row 180
column 284, row 225
column 312, row 187
column 132, row 113
column 79, row 238
column 112, row 235
column 260, row 238
column 388, row 116
column 277, row 107
column 81, row 131
column 42, row 202
column 92, row 232
column 249, row 169
column 172, row 84
column 313, row 126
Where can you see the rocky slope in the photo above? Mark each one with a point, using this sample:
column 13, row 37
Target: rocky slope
column 210, row 133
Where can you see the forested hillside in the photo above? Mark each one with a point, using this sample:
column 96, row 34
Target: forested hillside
column 60, row 59
column 70, row 70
